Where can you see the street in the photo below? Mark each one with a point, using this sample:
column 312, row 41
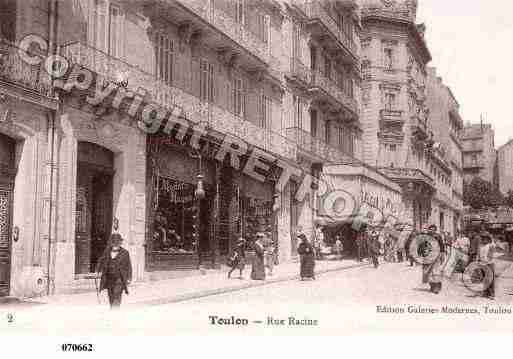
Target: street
column 345, row 300
column 391, row 284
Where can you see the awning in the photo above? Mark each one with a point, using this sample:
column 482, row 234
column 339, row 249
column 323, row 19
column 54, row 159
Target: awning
column 356, row 193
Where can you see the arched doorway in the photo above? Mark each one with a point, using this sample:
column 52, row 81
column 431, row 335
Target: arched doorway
column 7, row 171
column 94, row 205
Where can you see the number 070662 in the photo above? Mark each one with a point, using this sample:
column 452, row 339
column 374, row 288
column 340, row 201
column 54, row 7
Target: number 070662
column 77, row 347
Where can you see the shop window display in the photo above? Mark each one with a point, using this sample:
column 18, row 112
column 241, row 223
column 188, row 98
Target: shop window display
column 174, row 218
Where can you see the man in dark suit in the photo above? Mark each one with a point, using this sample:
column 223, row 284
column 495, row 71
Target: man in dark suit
column 116, row 270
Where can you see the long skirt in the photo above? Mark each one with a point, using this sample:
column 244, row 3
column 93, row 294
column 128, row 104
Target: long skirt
column 432, row 273
column 258, row 268
column 307, row 266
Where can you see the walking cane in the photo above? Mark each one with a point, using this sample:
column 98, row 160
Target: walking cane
column 97, row 289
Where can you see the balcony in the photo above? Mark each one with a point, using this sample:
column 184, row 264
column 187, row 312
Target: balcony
column 473, row 165
column 413, row 180
column 471, row 146
column 325, row 28
column 316, row 148
column 23, row 76
column 322, row 88
column 380, row 12
column 419, row 127
column 329, row 91
column 393, row 117
column 299, row 72
column 215, row 118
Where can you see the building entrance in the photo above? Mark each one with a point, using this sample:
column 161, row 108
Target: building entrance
column 93, row 221
column 7, row 151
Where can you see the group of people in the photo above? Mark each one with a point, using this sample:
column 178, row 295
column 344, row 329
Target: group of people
column 264, row 257
column 263, row 260
column 477, row 246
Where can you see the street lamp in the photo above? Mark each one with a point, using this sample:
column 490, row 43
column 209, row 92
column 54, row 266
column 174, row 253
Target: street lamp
column 199, row 193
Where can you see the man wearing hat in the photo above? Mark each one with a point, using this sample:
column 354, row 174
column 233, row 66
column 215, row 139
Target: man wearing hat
column 116, row 270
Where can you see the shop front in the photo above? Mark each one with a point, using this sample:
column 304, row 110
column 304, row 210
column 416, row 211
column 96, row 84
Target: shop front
column 187, row 231
column 181, row 223
column 355, row 195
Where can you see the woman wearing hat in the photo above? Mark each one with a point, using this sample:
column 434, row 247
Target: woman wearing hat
column 306, row 258
column 238, row 259
column 374, row 247
column 258, row 268
column 116, row 270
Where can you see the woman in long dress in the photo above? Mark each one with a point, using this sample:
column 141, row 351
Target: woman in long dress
column 258, row 268
column 306, row 258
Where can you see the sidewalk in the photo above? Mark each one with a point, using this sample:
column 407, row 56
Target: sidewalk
column 186, row 288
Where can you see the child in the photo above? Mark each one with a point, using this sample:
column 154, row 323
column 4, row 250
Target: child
column 238, row 258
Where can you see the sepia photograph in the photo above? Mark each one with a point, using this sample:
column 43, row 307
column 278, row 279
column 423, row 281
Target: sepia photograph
column 271, row 167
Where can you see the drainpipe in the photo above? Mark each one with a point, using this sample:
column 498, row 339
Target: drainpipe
column 52, row 48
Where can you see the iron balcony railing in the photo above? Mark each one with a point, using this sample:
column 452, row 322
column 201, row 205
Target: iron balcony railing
column 402, row 14
column 314, row 79
column 15, row 70
column 407, row 174
column 318, row 148
column 215, row 117
column 318, row 10
column 228, row 25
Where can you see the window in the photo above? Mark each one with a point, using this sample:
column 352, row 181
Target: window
column 298, row 112
column 327, row 67
column 389, row 59
column 327, row 132
column 313, row 58
column 238, row 97
column 263, row 27
column 107, row 28
column 296, row 42
column 474, row 159
column 313, row 123
column 239, row 11
column 389, row 101
column 265, row 111
column 393, row 148
column 164, row 58
column 206, row 81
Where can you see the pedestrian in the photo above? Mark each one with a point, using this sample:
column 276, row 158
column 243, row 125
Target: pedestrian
column 374, row 248
column 486, row 258
column 432, row 272
column 116, row 270
column 306, row 259
column 337, row 247
column 269, row 251
column 318, row 241
column 408, row 248
column 475, row 244
column 238, row 258
column 258, row 268
column 361, row 238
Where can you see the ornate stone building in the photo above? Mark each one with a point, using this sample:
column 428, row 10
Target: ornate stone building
column 281, row 78
column 397, row 130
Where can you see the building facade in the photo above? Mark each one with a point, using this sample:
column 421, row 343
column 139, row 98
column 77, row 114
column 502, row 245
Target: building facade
column 479, row 154
column 278, row 78
column 505, row 167
column 447, row 126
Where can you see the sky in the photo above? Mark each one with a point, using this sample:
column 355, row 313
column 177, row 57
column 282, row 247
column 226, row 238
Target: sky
column 471, row 42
